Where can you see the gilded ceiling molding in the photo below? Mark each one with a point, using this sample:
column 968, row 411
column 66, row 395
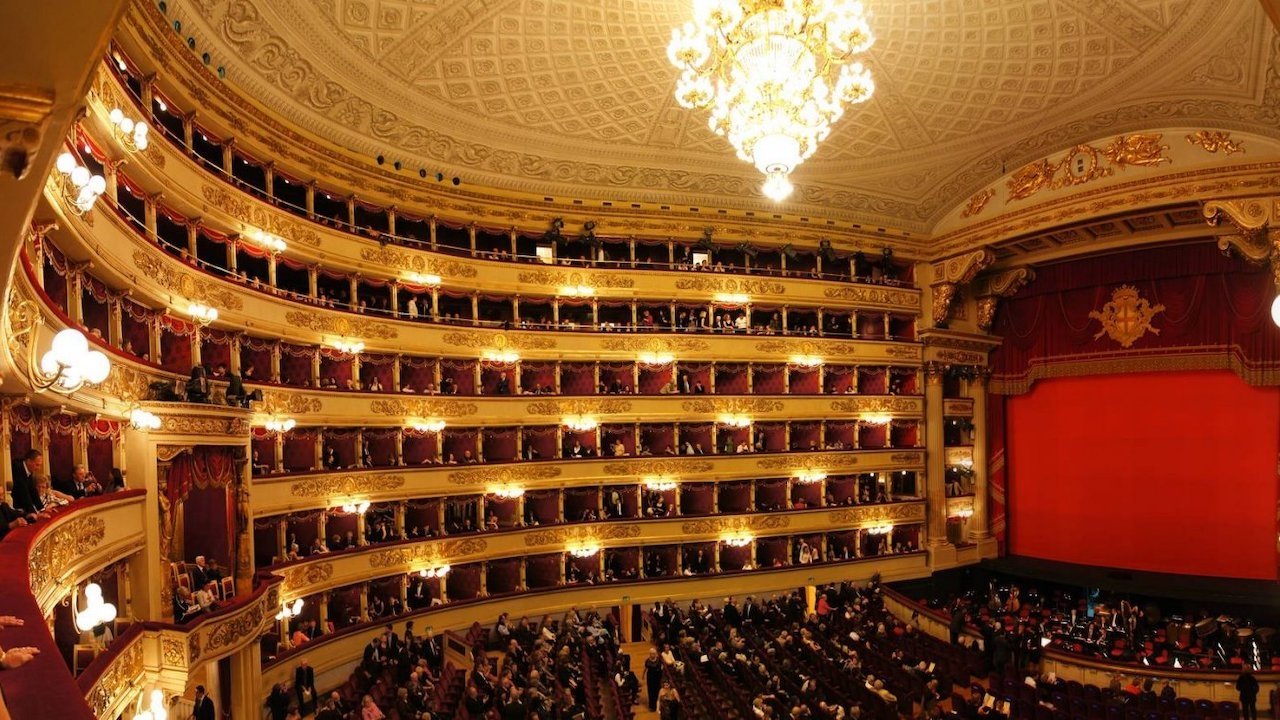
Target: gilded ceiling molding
column 825, row 461
column 498, row 341
column 582, row 533
column 249, row 212
column 1085, row 163
column 978, row 203
column 1215, row 140
column 301, row 578
column 905, row 299
column 578, row 407
column 1256, row 222
column 422, row 408
column 654, row 344
column 735, row 524
column 642, row 468
column 562, row 278
column 236, row 427
column 337, row 486
column 878, row 404
column 335, row 324
column 432, row 552
column 416, row 262
column 189, row 286
column 731, row 285
column 951, row 275
column 877, row 514
column 736, row 406
column 503, row 475
column 913, row 458
column 991, row 287
column 122, row 676
column 24, row 116
column 275, row 402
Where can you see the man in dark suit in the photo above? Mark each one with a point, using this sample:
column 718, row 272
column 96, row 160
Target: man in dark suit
column 204, row 706
column 79, row 485
column 304, row 684
column 26, row 497
column 12, row 518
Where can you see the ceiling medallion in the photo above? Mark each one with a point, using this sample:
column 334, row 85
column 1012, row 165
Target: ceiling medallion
column 776, row 74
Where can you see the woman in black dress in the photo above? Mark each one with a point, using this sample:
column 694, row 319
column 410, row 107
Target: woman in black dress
column 653, row 677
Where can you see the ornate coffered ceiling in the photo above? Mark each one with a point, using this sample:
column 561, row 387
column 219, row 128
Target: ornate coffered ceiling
column 574, row 97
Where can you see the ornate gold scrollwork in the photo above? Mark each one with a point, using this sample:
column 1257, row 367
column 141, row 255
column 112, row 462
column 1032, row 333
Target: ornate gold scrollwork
column 951, row 274
column 1086, row 163
column 991, row 288
column 1256, row 236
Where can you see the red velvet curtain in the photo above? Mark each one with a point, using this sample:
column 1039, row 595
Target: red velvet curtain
column 61, row 436
column 381, row 447
column 299, row 450
column 735, row 497
column 419, row 449
column 768, row 379
column 175, row 344
column 542, row 571
column 102, row 437
column 804, row 381
column 612, row 434
column 295, row 365
column 335, row 366
column 997, row 477
column 652, row 380
column 500, row 444
column 343, row 443
column 873, row 381
column 577, row 379
column 416, row 374
column 463, row 582
column 93, row 304
column 135, row 330
column 215, row 349
column 463, row 374
column 256, row 353
column 696, row 498
column 1215, row 307
column 731, row 379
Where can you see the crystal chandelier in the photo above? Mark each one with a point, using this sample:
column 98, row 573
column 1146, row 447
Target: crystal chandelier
column 776, row 74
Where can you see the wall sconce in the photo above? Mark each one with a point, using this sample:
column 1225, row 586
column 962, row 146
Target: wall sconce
column 507, row 492
column 735, row 421
column 140, row 419
column 738, row 539
column 131, row 133
column 273, row 244
column 348, row 347
column 577, row 291
column 732, row 298
column 656, row 359
column 811, row 477
column 809, row 361
column 156, row 710
column 420, row 279
column 963, row 513
column 878, row 418
column 881, row 529
column 501, row 357
column 97, row 612
column 202, row 314
column 433, row 425
column 580, row 423
column 438, row 571
column 660, row 483
column 68, row 364
column 355, row 508
column 78, row 186
column 280, row 424
column 288, row 610
column 584, row 550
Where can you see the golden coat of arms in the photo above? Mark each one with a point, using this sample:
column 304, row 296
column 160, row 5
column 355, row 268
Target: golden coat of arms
column 1126, row 317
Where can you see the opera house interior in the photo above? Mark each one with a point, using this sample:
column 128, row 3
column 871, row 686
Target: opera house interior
column 640, row 359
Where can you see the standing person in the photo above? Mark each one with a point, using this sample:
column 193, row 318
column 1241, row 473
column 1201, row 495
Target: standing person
column 304, row 684
column 278, row 702
column 653, row 677
column 203, row 709
column 1247, row 686
column 23, row 476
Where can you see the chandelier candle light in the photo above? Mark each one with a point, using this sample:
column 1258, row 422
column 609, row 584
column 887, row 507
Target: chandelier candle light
column 80, row 187
column 69, row 364
column 132, row 133
column 775, row 74
column 202, row 314
column 280, row 424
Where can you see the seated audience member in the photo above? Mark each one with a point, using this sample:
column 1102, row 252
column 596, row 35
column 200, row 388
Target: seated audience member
column 50, row 498
column 80, row 484
column 198, row 386
column 185, row 606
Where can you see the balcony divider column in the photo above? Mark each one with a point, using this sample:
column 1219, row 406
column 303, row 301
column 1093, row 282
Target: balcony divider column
column 790, row 486
column 751, row 378
column 394, row 291
column 821, row 326
column 269, row 178
column 322, row 527
column 323, row 611
column 353, row 291
column 564, row 559
column 751, row 496
column 153, row 339
column 786, row 436
column 404, row 592
column 439, row 445
column 484, row 578
column 318, row 449
column 282, row 539
column 786, row 327
column 711, row 381
column 520, row 446
column 555, row 321
column 399, row 518
column 471, row 238
column 272, row 259
column 557, row 377
column 195, row 347
column 355, row 372
column 115, row 322
column 395, row 376
column 313, row 281
column 515, row 322
column 595, row 314
column 635, row 319
column 822, row 435
column 315, row 366
column 475, row 309
column 437, row 374
column 311, row 199
column 941, row 551
column 391, row 221
column 822, row 379
column 715, row 497
column 233, row 364
column 857, row 434
column 978, row 522
column 520, row 518
column 441, row 523
column 361, row 527
column 524, row 570
column 716, row 555
column 480, row 512
column 228, row 146
column 715, row 439
column 279, row 458
column 786, row 379
column 595, row 376
column 231, row 245
column 478, row 377
column 351, row 213
column 560, row 506
column 635, row 378
column 193, row 234
column 364, row 602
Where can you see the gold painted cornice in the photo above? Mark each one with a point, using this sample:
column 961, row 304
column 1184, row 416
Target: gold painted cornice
column 277, row 494
column 123, row 260
column 325, row 572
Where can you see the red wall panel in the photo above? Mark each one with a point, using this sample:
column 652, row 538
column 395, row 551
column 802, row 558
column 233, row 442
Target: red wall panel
column 1169, row 472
